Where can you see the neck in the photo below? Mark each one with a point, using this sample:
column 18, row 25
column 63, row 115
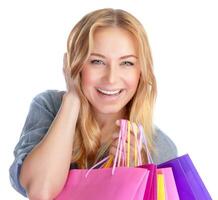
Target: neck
column 107, row 123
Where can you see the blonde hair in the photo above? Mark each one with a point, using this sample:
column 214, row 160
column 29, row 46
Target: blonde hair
column 87, row 148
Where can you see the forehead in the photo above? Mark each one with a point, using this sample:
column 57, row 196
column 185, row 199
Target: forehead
column 114, row 41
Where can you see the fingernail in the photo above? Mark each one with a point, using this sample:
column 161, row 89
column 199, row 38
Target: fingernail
column 118, row 122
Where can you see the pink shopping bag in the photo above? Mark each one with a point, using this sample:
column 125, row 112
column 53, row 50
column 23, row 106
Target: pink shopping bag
column 125, row 184
column 171, row 192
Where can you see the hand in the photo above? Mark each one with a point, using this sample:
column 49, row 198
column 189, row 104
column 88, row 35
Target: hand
column 113, row 147
column 70, row 83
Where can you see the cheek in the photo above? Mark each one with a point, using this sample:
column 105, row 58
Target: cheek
column 132, row 81
column 88, row 79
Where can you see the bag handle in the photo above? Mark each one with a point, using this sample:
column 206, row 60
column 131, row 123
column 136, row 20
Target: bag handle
column 144, row 141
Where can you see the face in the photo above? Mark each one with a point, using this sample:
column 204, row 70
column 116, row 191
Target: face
column 111, row 74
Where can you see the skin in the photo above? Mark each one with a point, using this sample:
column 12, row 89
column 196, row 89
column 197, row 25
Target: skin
column 113, row 64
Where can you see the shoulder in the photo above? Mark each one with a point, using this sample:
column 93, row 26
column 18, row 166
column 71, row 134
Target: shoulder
column 50, row 99
column 164, row 147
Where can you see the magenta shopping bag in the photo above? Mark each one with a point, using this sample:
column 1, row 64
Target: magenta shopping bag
column 126, row 183
column 188, row 182
column 151, row 187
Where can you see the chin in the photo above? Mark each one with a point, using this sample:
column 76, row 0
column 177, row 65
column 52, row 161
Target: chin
column 108, row 110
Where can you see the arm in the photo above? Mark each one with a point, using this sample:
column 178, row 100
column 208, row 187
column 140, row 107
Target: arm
column 46, row 167
column 45, row 145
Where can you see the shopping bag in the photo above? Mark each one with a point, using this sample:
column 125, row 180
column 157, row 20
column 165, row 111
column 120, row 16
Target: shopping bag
column 160, row 187
column 189, row 184
column 151, row 187
column 118, row 182
column 171, row 192
column 126, row 183
column 168, row 192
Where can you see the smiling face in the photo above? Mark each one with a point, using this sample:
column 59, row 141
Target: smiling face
column 111, row 74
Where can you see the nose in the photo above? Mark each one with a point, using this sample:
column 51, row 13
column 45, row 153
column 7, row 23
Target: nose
column 112, row 74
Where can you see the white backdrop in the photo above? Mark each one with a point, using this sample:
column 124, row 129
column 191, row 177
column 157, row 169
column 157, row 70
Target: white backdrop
column 183, row 38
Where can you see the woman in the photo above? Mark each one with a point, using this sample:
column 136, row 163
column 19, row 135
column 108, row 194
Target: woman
column 109, row 76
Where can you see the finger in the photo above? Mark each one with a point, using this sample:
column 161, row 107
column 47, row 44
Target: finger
column 113, row 150
column 134, row 132
column 115, row 136
column 133, row 126
column 117, row 122
column 65, row 59
column 114, row 142
column 65, row 68
column 130, row 137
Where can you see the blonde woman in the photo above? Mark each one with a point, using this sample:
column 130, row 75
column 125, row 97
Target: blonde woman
column 109, row 76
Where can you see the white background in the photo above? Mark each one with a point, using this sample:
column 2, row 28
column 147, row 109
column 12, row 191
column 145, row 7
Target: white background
column 184, row 40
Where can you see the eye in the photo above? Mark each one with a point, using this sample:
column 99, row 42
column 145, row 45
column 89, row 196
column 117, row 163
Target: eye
column 127, row 63
column 97, row 62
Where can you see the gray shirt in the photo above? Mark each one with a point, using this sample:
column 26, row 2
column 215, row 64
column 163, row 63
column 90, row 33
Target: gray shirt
column 42, row 112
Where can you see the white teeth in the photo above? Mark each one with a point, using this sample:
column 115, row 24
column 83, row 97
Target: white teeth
column 108, row 92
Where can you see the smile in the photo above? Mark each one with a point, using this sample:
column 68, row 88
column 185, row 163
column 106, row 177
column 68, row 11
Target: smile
column 110, row 95
column 109, row 92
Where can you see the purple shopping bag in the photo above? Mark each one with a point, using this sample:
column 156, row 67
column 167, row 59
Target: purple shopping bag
column 125, row 183
column 188, row 182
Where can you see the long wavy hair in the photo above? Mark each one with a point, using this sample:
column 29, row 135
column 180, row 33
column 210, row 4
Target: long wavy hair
column 87, row 149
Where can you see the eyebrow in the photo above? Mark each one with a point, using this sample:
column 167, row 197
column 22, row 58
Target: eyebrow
column 122, row 57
